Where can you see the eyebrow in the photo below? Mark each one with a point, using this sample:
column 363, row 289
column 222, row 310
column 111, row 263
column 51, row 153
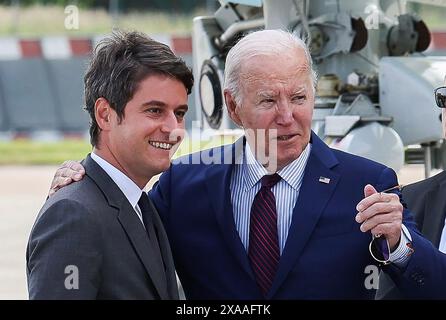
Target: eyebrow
column 267, row 94
column 162, row 104
column 300, row 90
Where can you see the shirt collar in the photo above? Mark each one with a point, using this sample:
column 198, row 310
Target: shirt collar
column 292, row 173
column 130, row 189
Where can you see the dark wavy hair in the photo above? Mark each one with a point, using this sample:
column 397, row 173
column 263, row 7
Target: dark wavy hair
column 120, row 62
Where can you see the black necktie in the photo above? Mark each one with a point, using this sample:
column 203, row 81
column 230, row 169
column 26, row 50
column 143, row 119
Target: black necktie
column 146, row 213
column 147, row 218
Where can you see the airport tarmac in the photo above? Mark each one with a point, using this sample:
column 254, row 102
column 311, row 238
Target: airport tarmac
column 23, row 190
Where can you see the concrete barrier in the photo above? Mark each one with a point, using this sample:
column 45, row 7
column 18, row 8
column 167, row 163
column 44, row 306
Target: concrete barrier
column 41, row 82
column 53, row 98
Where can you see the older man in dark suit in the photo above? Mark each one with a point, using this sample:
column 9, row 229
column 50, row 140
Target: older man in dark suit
column 278, row 214
column 427, row 200
column 101, row 238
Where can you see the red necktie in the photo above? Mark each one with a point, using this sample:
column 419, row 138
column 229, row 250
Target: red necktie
column 263, row 251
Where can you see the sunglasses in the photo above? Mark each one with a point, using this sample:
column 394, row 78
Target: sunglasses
column 380, row 249
column 440, row 97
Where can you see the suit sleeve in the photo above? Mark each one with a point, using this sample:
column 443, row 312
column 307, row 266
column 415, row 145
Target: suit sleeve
column 424, row 277
column 64, row 254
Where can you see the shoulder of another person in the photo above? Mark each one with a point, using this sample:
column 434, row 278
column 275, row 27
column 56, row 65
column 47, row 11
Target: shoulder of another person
column 355, row 162
column 192, row 165
column 82, row 194
column 426, row 184
column 440, row 177
column 77, row 189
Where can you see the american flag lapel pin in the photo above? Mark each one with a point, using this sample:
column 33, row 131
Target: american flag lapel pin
column 324, row 180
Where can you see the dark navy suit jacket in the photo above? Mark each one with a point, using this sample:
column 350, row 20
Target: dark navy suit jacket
column 325, row 255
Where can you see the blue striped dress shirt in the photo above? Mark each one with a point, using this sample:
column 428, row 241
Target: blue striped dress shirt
column 245, row 183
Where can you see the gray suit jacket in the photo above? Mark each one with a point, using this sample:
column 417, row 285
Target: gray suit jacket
column 427, row 201
column 88, row 243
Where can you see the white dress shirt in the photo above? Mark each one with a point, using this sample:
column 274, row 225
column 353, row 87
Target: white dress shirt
column 130, row 190
column 442, row 245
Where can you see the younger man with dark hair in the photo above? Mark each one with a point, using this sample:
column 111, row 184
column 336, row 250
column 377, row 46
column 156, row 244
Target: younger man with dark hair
column 101, row 238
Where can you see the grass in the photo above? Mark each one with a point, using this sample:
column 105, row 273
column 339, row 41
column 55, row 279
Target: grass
column 42, row 20
column 28, row 152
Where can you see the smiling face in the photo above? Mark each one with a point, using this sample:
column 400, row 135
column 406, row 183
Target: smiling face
column 276, row 106
column 142, row 143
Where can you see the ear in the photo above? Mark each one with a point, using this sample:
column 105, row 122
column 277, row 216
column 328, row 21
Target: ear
column 231, row 105
column 103, row 114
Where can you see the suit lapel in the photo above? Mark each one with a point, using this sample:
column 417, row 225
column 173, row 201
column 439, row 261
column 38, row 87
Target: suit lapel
column 141, row 243
column 130, row 223
column 166, row 254
column 312, row 200
column 434, row 213
column 217, row 184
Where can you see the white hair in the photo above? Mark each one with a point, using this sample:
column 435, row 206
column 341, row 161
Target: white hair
column 260, row 43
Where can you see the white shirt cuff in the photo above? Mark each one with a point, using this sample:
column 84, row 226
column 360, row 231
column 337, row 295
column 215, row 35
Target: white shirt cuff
column 400, row 257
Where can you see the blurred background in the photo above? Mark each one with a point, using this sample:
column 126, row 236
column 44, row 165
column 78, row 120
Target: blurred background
column 44, row 49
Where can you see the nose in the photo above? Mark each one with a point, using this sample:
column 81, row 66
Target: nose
column 172, row 128
column 285, row 113
column 170, row 123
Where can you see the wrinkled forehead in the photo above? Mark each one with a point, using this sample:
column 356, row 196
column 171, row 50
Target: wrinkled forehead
column 267, row 70
column 287, row 61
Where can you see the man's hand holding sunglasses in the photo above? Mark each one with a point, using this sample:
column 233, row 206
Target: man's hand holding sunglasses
column 381, row 214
